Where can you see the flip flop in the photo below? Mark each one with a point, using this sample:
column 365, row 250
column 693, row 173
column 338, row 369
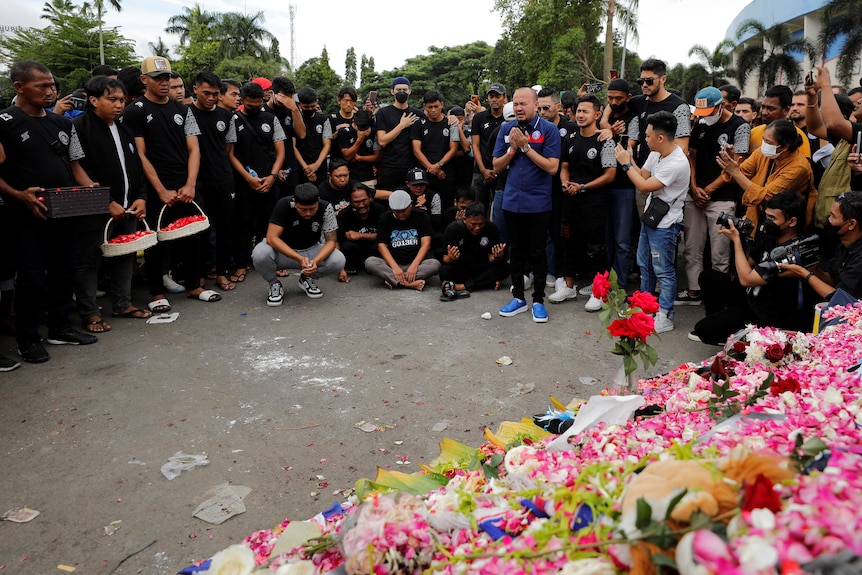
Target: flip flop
column 132, row 313
column 159, row 306
column 237, row 278
column 96, row 326
column 226, row 286
column 207, row 295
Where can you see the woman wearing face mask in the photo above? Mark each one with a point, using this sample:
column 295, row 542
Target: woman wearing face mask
column 777, row 166
column 845, row 269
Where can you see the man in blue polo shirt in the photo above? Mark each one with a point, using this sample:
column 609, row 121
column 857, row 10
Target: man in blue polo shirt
column 529, row 147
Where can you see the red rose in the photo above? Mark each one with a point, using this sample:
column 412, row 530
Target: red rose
column 643, row 325
column 621, row 328
column 739, row 346
column 645, row 301
column 601, row 286
column 774, row 352
column 761, row 495
column 779, row 386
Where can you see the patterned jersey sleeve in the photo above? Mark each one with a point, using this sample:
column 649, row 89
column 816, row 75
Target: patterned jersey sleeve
column 683, row 121
column 609, row 155
column 278, row 131
column 76, row 150
column 330, row 224
column 191, row 126
column 230, row 136
column 742, row 139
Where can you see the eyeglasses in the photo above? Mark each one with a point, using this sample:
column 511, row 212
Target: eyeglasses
column 544, row 108
column 647, row 81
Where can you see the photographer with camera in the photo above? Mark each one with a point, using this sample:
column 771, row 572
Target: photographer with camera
column 772, row 298
column 843, row 271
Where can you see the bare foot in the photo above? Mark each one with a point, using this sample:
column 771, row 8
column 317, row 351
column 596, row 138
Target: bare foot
column 418, row 285
column 343, row 277
column 496, row 286
column 387, row 284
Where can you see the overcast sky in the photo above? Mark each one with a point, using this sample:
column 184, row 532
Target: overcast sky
column 668, row 28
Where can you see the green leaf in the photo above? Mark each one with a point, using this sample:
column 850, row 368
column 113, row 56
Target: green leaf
column 813, row 446
column 663, row 560
column 629, row 364
column 674, row 502
column 644, row 514
column 700, row 520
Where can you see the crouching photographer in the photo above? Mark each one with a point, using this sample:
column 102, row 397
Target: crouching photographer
column 772, row 297
column 844, row 270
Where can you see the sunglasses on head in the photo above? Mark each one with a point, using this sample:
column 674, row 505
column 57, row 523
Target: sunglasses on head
column 647, row 81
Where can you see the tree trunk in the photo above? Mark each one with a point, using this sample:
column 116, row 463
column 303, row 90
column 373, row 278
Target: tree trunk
column 609, row 41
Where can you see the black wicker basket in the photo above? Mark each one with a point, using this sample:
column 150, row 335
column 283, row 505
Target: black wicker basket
column 68, row 202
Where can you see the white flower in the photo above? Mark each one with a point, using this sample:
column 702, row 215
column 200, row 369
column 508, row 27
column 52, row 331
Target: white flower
column 587, row 567
column 521, row 459
column 832, row 396
column 789, row 399
column 762, row 518
column 298, row 568
column 235, row 560
column 755, row 554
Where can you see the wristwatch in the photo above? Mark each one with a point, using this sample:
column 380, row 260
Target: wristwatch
column 526, row 148
column 583, row 188
column 626, row 167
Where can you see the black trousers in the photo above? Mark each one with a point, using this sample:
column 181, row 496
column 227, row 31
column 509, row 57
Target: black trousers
column 220, row 201
column 527, row 247
column 475, row 277
column 186, row 250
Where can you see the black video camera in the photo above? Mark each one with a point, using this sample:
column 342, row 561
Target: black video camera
column 803, row 252
column 744, row 225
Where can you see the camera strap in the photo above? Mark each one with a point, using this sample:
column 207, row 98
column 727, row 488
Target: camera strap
column 56, row 145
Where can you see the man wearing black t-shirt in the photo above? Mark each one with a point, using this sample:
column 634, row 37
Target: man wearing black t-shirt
column 435, row 144
column 484, row 123
column 393, row 134
column 474, row 257
column 404, row 241
column 282, row 105
column 256, row 158
column 311, row 151
column 215, row 180
column 34, row 155
column 342, row 119
column 357, row 229
column 617, row 117
column 655, row 97
column 358, row 146
column 588, row 167
column 710, row 194
column 336, row 188
column 293, row 242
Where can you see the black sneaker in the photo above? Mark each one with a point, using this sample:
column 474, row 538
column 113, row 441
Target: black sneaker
column 309, row 286
column 33, row 352
column 7, row 364
column 685, row 298
column 72, row 337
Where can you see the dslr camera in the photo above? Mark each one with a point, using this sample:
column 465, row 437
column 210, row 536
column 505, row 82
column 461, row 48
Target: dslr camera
column 744, row 225
column 802, row 252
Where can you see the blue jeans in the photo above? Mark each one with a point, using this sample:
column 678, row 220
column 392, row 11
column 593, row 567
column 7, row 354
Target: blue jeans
column 656, row 254
column 619, row 237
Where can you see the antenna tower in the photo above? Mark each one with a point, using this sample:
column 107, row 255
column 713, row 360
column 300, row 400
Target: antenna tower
column 292, row 8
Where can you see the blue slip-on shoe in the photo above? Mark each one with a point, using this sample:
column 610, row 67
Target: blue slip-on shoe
column 540, row 315
column 514, row 307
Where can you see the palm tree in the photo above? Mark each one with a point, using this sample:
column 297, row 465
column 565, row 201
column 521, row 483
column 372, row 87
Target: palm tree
column 627, row 16
column 242, row 34
column 182, row 24
column 716, row 63
column 159, row 48
column 843, row 18
column 773, row 56
column 100, row 10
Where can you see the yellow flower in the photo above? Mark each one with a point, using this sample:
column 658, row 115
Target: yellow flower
column 298, row 568
column 235, row 560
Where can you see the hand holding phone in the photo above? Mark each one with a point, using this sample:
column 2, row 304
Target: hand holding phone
column 624, row 141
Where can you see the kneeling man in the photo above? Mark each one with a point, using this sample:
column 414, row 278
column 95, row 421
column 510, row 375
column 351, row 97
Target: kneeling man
column 474, row 258
column 293, row 242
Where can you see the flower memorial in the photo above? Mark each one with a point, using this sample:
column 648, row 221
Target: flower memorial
column 745, row 466
column 629, row 318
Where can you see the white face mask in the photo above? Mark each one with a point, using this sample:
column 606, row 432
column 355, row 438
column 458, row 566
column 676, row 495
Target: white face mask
column 711, row 120
column 769, row 150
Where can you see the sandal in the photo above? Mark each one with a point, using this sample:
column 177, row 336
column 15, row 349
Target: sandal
column 238, row 276
column 132, row 313
column 212, row 274
column 95, row 325
column 225, row 285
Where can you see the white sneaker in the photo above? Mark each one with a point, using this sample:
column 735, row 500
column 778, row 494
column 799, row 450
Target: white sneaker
column 563, row 294
column 662, row 322
column 171, row 285
column 586, row 290
column 276, row 295
column 559, row 284
column 528, row 283
column 594, row 304
column 550, row 280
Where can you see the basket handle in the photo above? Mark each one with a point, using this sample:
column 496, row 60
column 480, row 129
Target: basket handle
column 162, row 212
column 112, row 220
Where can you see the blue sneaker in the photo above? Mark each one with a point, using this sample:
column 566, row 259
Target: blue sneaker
column 514, row 307
column 540, row 315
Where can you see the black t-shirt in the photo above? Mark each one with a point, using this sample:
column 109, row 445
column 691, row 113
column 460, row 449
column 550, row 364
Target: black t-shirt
column 644, row 108
column 399, row 152
column 484, row 125
column 474, row 249
column 300, row 233
column 164, row 128
column 361, row 171
column 846, row 268
column 339, row 199
column 316, row 130
column 217, row 129
column 349, row 221
column 435, row 138
column 336, row 120
column 30, row 158
column 403, row 238
column 622, row 180
column 708, row 141
column 286, row 119
column 779, row 303
column 587, row 157
column 255, row 135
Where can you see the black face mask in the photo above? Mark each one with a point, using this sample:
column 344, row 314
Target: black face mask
column 251, row 111
column 834, row 231
column 401, row 97
column 308, row 114
column 618, row 108
column 770, row 229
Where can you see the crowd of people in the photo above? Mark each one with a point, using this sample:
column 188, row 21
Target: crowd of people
column 543, row 187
